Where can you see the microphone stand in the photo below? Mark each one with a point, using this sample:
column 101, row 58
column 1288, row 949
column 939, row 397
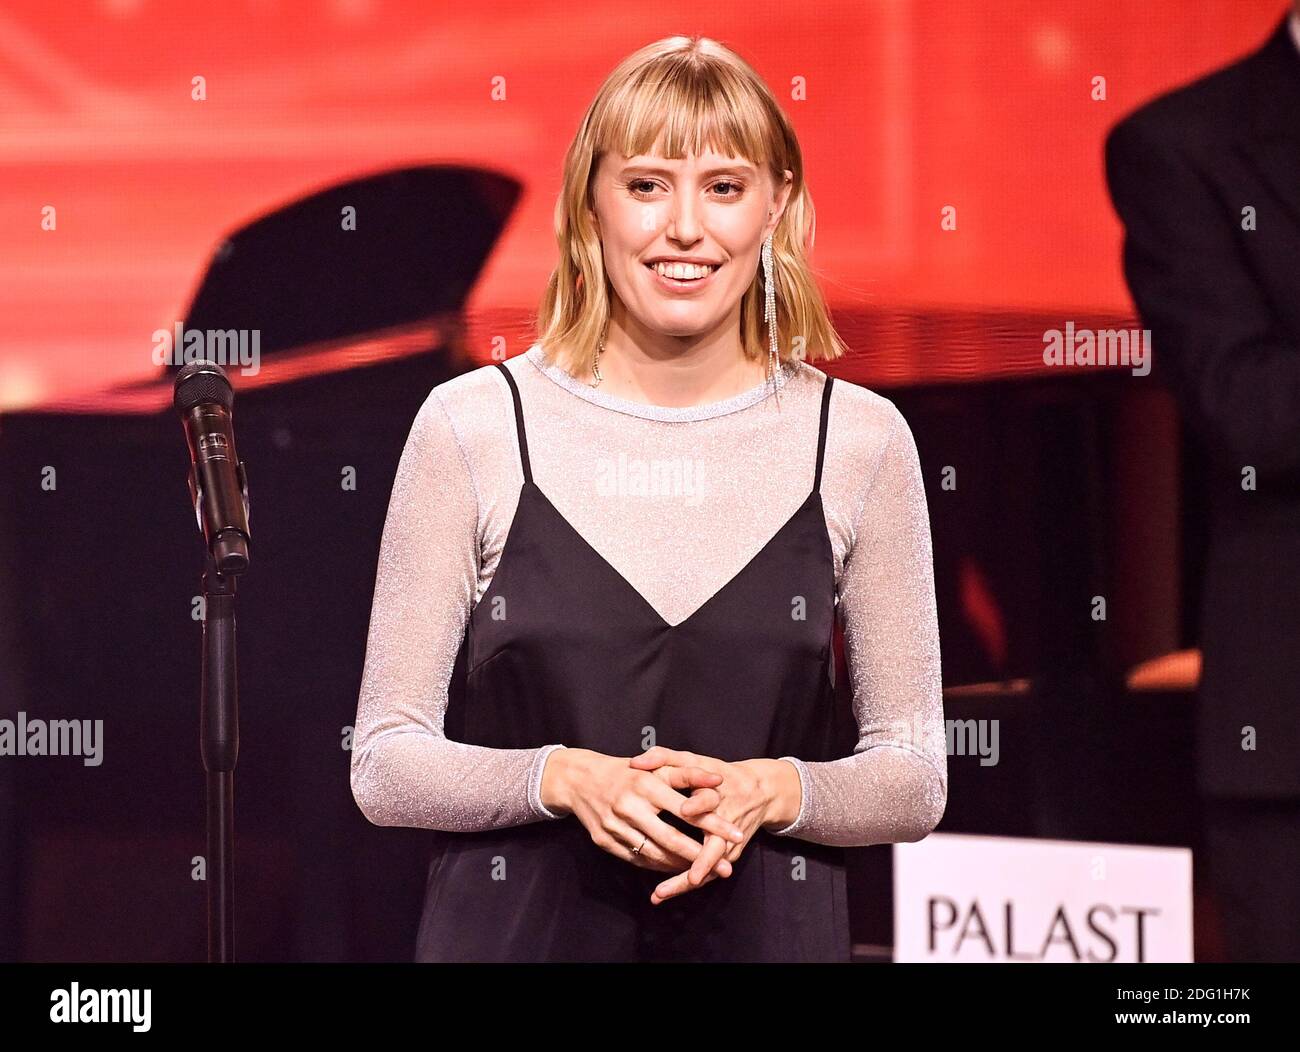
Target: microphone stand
column 219, row 745
column 218, row 485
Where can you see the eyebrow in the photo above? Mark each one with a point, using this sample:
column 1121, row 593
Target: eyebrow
column 731, row 169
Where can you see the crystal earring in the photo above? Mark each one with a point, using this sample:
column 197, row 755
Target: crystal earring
column 595, row 364
column 769, row 311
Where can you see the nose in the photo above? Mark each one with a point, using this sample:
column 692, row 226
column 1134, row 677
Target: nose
column 684, row 220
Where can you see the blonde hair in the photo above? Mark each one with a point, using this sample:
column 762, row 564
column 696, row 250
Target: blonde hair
column 699, row 95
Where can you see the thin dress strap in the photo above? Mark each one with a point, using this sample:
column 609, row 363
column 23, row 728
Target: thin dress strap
column 821, row 433
column 519, row 423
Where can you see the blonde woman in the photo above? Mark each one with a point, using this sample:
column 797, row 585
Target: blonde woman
column 599, row 659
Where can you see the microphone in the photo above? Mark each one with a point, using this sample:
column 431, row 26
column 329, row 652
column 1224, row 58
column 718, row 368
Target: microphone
column 218, row 483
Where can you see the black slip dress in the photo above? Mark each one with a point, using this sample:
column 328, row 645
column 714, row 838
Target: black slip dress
column 561, row 648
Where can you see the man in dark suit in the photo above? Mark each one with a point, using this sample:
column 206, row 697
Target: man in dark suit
column 1206, row 180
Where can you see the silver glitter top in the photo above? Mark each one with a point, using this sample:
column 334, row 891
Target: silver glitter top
column 678, row 500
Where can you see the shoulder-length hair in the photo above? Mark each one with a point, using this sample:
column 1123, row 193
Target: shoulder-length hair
column 698, row 95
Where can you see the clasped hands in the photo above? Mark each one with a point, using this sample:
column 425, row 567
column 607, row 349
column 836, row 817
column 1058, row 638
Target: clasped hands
column 619, row 801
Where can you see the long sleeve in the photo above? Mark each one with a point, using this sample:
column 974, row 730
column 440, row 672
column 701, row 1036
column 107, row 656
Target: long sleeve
column 1235, row 370
column 894, row 787
column 405, row 771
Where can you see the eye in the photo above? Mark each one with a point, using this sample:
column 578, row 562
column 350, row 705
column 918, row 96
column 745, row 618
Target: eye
column 644, row 187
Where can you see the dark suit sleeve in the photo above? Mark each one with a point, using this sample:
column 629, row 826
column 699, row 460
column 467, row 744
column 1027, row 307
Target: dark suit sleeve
column 1215, row 340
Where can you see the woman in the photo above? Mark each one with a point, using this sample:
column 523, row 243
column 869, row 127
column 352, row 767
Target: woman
column 600, row 653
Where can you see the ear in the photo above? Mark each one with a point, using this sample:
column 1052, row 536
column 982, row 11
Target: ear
column 780, row 200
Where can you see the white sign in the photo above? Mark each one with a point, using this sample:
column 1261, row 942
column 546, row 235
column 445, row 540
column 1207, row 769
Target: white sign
column 1003, row 899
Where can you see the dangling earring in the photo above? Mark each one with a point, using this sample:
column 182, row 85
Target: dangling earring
column 769, row 312
column 595, row 365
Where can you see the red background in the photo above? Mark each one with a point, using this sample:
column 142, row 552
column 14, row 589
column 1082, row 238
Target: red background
column 911, row 106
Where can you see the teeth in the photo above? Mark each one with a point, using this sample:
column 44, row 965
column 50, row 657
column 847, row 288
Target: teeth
column 683, row 271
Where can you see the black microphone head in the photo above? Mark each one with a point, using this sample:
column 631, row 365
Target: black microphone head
column 202, row 383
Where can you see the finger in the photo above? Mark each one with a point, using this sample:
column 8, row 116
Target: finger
column 680, row 884
column 687, row 881
column 638, row 818
column 670, row 840
column 717, row 825
column 657, row 755
column 698, row 814
column 687, row 777
column 652, row 856
column 730, row 852
column 683, row 882
column 714, row 848
column 628, row 836
column 677, row 885
column 700, row 802
column 666, row 799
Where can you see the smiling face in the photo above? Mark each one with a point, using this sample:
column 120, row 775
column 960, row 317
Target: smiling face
column 706, row 208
